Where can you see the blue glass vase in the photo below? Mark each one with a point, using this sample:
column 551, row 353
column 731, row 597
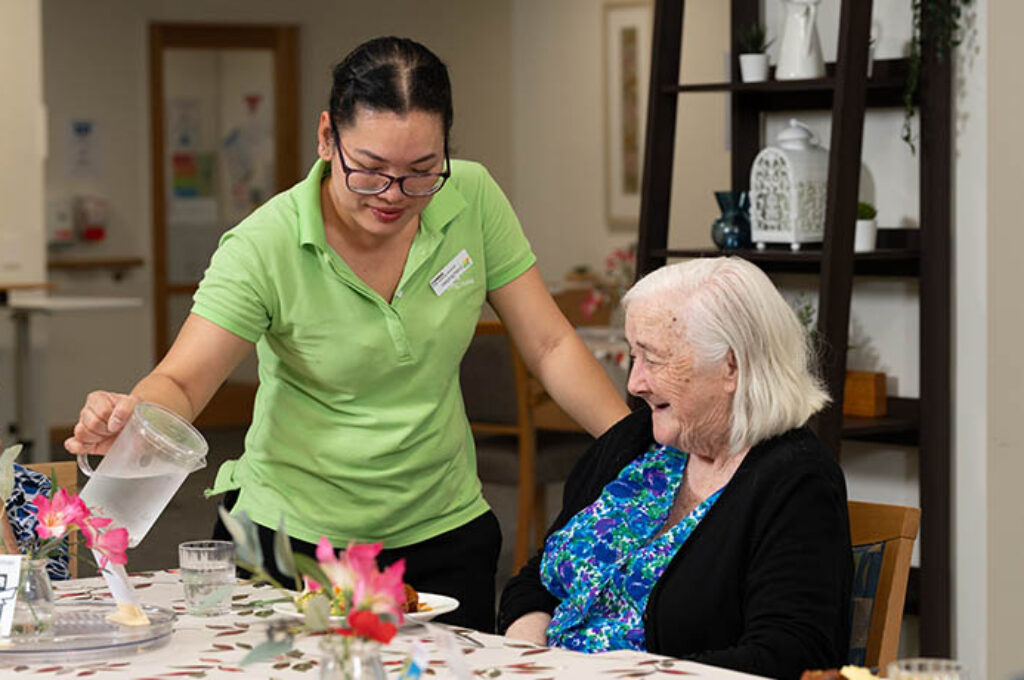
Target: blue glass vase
column 731, row 230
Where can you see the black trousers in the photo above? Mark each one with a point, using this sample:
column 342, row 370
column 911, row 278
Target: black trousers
column 461, row 563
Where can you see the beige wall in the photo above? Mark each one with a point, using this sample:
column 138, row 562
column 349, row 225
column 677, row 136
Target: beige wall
column 22, row 143
column 559, row 139
column 1005, row 342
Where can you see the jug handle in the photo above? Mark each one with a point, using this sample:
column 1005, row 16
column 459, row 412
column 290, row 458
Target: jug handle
column 83, row 464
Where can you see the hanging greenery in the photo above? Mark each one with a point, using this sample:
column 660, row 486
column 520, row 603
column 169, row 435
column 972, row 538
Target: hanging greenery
column 938, row 24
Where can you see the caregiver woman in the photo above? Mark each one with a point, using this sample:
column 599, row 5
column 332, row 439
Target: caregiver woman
column 360, row 288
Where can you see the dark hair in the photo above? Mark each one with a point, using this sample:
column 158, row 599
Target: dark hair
column 391, row 74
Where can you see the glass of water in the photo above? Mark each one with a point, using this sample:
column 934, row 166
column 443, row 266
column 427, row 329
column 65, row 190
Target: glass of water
column 208, row 576
column 926, row 669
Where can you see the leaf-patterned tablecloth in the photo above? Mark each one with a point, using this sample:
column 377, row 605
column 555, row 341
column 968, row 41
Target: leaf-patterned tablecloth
column 213, row 647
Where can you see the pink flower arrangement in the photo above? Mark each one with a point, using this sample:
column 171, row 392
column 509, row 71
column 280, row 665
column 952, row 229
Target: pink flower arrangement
column 64, row 513
column 371, row 600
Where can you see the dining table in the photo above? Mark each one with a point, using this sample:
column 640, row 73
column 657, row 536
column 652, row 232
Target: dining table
column 214, row 647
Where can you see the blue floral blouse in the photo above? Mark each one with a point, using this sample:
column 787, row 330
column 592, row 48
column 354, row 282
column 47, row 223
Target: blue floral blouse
column 603, row 564
column 22, row 515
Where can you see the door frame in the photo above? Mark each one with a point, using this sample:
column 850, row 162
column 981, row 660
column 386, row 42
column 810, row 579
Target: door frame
column 232, row 405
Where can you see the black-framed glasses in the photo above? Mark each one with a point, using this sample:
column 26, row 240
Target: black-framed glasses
column 371, row 182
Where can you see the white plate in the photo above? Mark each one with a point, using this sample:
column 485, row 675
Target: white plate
column 438, row 604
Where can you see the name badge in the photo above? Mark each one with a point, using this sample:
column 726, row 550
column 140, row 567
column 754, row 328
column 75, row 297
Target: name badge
column 444, row 279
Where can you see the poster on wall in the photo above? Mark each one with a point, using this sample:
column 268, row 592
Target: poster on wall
column 82, row 150
column 626, row 44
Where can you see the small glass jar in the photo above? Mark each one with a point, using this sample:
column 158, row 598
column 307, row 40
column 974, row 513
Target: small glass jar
column 34, row 609
column 350, row 658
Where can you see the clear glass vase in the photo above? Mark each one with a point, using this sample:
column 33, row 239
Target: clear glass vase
column 350, row 658
column 35, row 608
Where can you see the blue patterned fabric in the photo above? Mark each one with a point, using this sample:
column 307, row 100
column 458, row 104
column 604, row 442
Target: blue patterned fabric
column 21, row 514
column 603, row 564
column 867, row 566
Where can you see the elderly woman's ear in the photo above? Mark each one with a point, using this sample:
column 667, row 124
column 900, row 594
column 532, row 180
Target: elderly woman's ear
column 732, row 371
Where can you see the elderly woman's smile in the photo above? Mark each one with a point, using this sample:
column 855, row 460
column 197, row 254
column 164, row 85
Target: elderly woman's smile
column 690, row 396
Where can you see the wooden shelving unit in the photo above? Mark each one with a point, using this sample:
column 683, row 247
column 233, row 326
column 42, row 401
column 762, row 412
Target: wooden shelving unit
column 922, row 253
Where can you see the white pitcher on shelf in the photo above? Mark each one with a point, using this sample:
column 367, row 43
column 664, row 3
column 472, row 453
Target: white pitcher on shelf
column 800, row 52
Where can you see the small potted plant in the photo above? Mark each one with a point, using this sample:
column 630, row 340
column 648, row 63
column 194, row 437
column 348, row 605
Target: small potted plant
column 867, row 228
column 753, row 46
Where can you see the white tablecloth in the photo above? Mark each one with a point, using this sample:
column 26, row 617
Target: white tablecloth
column 212, row 648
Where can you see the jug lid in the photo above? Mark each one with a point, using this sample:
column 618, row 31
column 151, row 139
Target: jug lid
column 796, row 136
column 175, row 437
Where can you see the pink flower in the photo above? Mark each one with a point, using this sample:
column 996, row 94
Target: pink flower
column 111, row 545
column 382, row 592
column 356, row 581
column 338, row 571
column 91, row 528
column 56, row 517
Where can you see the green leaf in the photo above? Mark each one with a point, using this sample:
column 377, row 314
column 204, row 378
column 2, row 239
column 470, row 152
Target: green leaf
column 318, row 613
column 247, row 539
column 7, row 470
column 265, row 651
column 307, row 566
column 283, row 554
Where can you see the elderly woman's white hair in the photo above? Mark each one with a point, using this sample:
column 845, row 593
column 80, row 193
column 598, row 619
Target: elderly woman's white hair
column 727, row 303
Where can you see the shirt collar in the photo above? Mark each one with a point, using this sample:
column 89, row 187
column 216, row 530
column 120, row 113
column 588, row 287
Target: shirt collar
column 439, row 213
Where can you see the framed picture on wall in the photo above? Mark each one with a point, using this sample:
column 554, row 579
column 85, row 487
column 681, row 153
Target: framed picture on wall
column 626, row 43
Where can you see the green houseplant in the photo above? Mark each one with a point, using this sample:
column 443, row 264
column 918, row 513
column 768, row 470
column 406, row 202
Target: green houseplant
column 752, row 44
column 937, row 26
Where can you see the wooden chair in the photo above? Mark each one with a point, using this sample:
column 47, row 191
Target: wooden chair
column 501, row 399
column 883, row 539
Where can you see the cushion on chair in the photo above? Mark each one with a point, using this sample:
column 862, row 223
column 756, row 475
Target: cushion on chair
column 867, row 566
column 487, row 379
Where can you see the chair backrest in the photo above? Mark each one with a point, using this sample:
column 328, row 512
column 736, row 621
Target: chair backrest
column 883, row 539
column 496, row 383
column 65, row 473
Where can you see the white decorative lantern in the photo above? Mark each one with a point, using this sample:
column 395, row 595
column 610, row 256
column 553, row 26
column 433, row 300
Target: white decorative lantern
column 788, row 185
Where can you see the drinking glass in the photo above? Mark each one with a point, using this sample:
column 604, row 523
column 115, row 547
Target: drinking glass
column 926, row 669
column 208, row 576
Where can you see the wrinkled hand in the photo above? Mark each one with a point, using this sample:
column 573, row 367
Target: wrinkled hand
column 532, row 627
column 99, row 422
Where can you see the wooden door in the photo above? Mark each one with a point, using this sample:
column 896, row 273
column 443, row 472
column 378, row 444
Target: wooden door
column 224, row 107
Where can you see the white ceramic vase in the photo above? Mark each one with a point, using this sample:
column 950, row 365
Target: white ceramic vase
column 800, row 52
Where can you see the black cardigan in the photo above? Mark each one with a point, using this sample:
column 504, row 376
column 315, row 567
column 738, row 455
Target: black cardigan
column 763, row 583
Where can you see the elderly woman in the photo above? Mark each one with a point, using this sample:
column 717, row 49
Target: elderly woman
column 712, row 524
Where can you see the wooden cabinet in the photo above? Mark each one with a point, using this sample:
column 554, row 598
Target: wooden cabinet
column 922, row 253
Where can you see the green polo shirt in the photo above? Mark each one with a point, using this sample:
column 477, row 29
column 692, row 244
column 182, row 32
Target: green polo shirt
column 359, row 430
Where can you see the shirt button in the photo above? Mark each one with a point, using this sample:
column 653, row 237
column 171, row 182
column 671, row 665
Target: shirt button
column 398, row 294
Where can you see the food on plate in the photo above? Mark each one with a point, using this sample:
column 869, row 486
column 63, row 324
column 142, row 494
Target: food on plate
column 411, row 605
column 412, row 599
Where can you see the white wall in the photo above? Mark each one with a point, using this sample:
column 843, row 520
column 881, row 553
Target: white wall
column 95, row 59
column 22, row 148
column 22, row 143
